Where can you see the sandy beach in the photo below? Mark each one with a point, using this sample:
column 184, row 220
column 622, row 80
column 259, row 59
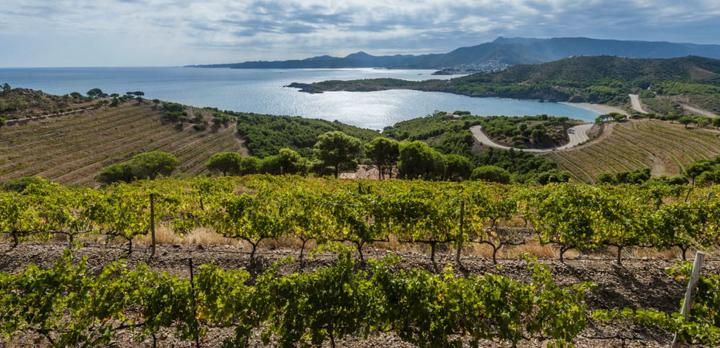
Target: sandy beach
column 601, row 108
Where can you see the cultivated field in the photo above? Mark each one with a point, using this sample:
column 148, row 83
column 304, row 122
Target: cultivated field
column 72, row 149
column 664, row 147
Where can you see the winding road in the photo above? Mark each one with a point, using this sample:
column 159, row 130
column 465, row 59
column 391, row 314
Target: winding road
column 577, row 135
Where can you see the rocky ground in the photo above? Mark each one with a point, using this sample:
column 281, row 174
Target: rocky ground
column 639, row 282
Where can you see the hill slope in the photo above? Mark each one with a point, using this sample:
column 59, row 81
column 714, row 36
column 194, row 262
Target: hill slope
column 602, row 79
column 502, row 51
column 72, row 149
column 664, row 147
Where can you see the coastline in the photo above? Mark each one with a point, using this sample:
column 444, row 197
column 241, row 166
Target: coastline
column 600, row 108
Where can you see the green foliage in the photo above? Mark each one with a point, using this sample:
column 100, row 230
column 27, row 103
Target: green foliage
column 384, row 153
column 457, row 168
column 227, row 163
column 72, row 305
column 633, row 177
column 96, row 93
column 418, row 160
column 265, row 135
column 20, row 184
column 491, row 174
column 146, row 165
column 287, row 161
column 338, row 150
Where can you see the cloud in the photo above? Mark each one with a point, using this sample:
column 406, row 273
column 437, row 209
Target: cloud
column 202, row 31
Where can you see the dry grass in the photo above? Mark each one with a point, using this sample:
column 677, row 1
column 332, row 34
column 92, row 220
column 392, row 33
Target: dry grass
column 199, row 236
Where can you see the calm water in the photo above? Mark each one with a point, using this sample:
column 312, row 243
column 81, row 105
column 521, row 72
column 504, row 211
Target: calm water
column 262, row 91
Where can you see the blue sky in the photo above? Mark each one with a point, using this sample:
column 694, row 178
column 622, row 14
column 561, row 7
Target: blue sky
column 178, row 32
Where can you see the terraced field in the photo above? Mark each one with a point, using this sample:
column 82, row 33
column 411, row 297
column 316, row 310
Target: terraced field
column 72, row 149
column 664, row 147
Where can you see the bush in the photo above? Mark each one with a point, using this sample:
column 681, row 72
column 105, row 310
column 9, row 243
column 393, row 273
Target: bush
column 457, row 167
column 553, row 176
column 287, row 161
column 491, row 174
column 227, row 163
column 419, row 160
column 147, row 165
column 19, row 185
column 119, row 172
column 634, row 177
column 249, row 165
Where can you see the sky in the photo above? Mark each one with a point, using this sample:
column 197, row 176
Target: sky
column 63, row 33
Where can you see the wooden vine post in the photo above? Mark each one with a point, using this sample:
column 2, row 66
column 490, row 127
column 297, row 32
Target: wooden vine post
column 460, row 235
column 687, row 303
column 196, row 330
column 152, row 224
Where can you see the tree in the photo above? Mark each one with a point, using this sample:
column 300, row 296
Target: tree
column 118, row 172
column 338, row 149
column 491, row 174
column 287, row 161
column 457, row 167
column 6, row 87
column 96, row 93
column 249, row 165
column 147, row 165
column 419, row 160
column 686, row 121
column 384, row 153
column 225, row 163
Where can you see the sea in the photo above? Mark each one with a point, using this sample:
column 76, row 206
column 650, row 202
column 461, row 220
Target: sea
column 264, row 91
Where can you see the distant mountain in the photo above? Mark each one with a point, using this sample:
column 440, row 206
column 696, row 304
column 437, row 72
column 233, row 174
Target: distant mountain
column 498, row 53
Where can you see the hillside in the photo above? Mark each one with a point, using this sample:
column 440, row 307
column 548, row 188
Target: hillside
column 20, row 103
column 72, row 149
column 496, row 54
column 663, row 147
column 602, row 79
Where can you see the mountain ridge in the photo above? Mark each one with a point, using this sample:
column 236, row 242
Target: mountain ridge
column 494, row 55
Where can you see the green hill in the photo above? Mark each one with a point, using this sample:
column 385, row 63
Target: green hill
column 600, row 79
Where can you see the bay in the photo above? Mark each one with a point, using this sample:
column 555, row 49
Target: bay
column 263, row 91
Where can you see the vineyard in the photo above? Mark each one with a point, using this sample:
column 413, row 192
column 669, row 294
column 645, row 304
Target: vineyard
column 664, row 147
column 356, row 294
column 73, row 149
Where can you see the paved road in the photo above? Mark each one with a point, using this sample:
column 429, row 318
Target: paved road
column 636, row 103
column 577, row 135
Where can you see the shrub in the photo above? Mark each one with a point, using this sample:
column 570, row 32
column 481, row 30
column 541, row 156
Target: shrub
column 227, row 163
column 457, row 167
column 147, row 165
column 491, row 174
column 419, row 160
column 119, row 172
column 287, row 161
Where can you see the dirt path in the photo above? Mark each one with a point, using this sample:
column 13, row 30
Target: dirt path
column 577, row 134
column 636, row 103
column 690, row 108
column 42, row 117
